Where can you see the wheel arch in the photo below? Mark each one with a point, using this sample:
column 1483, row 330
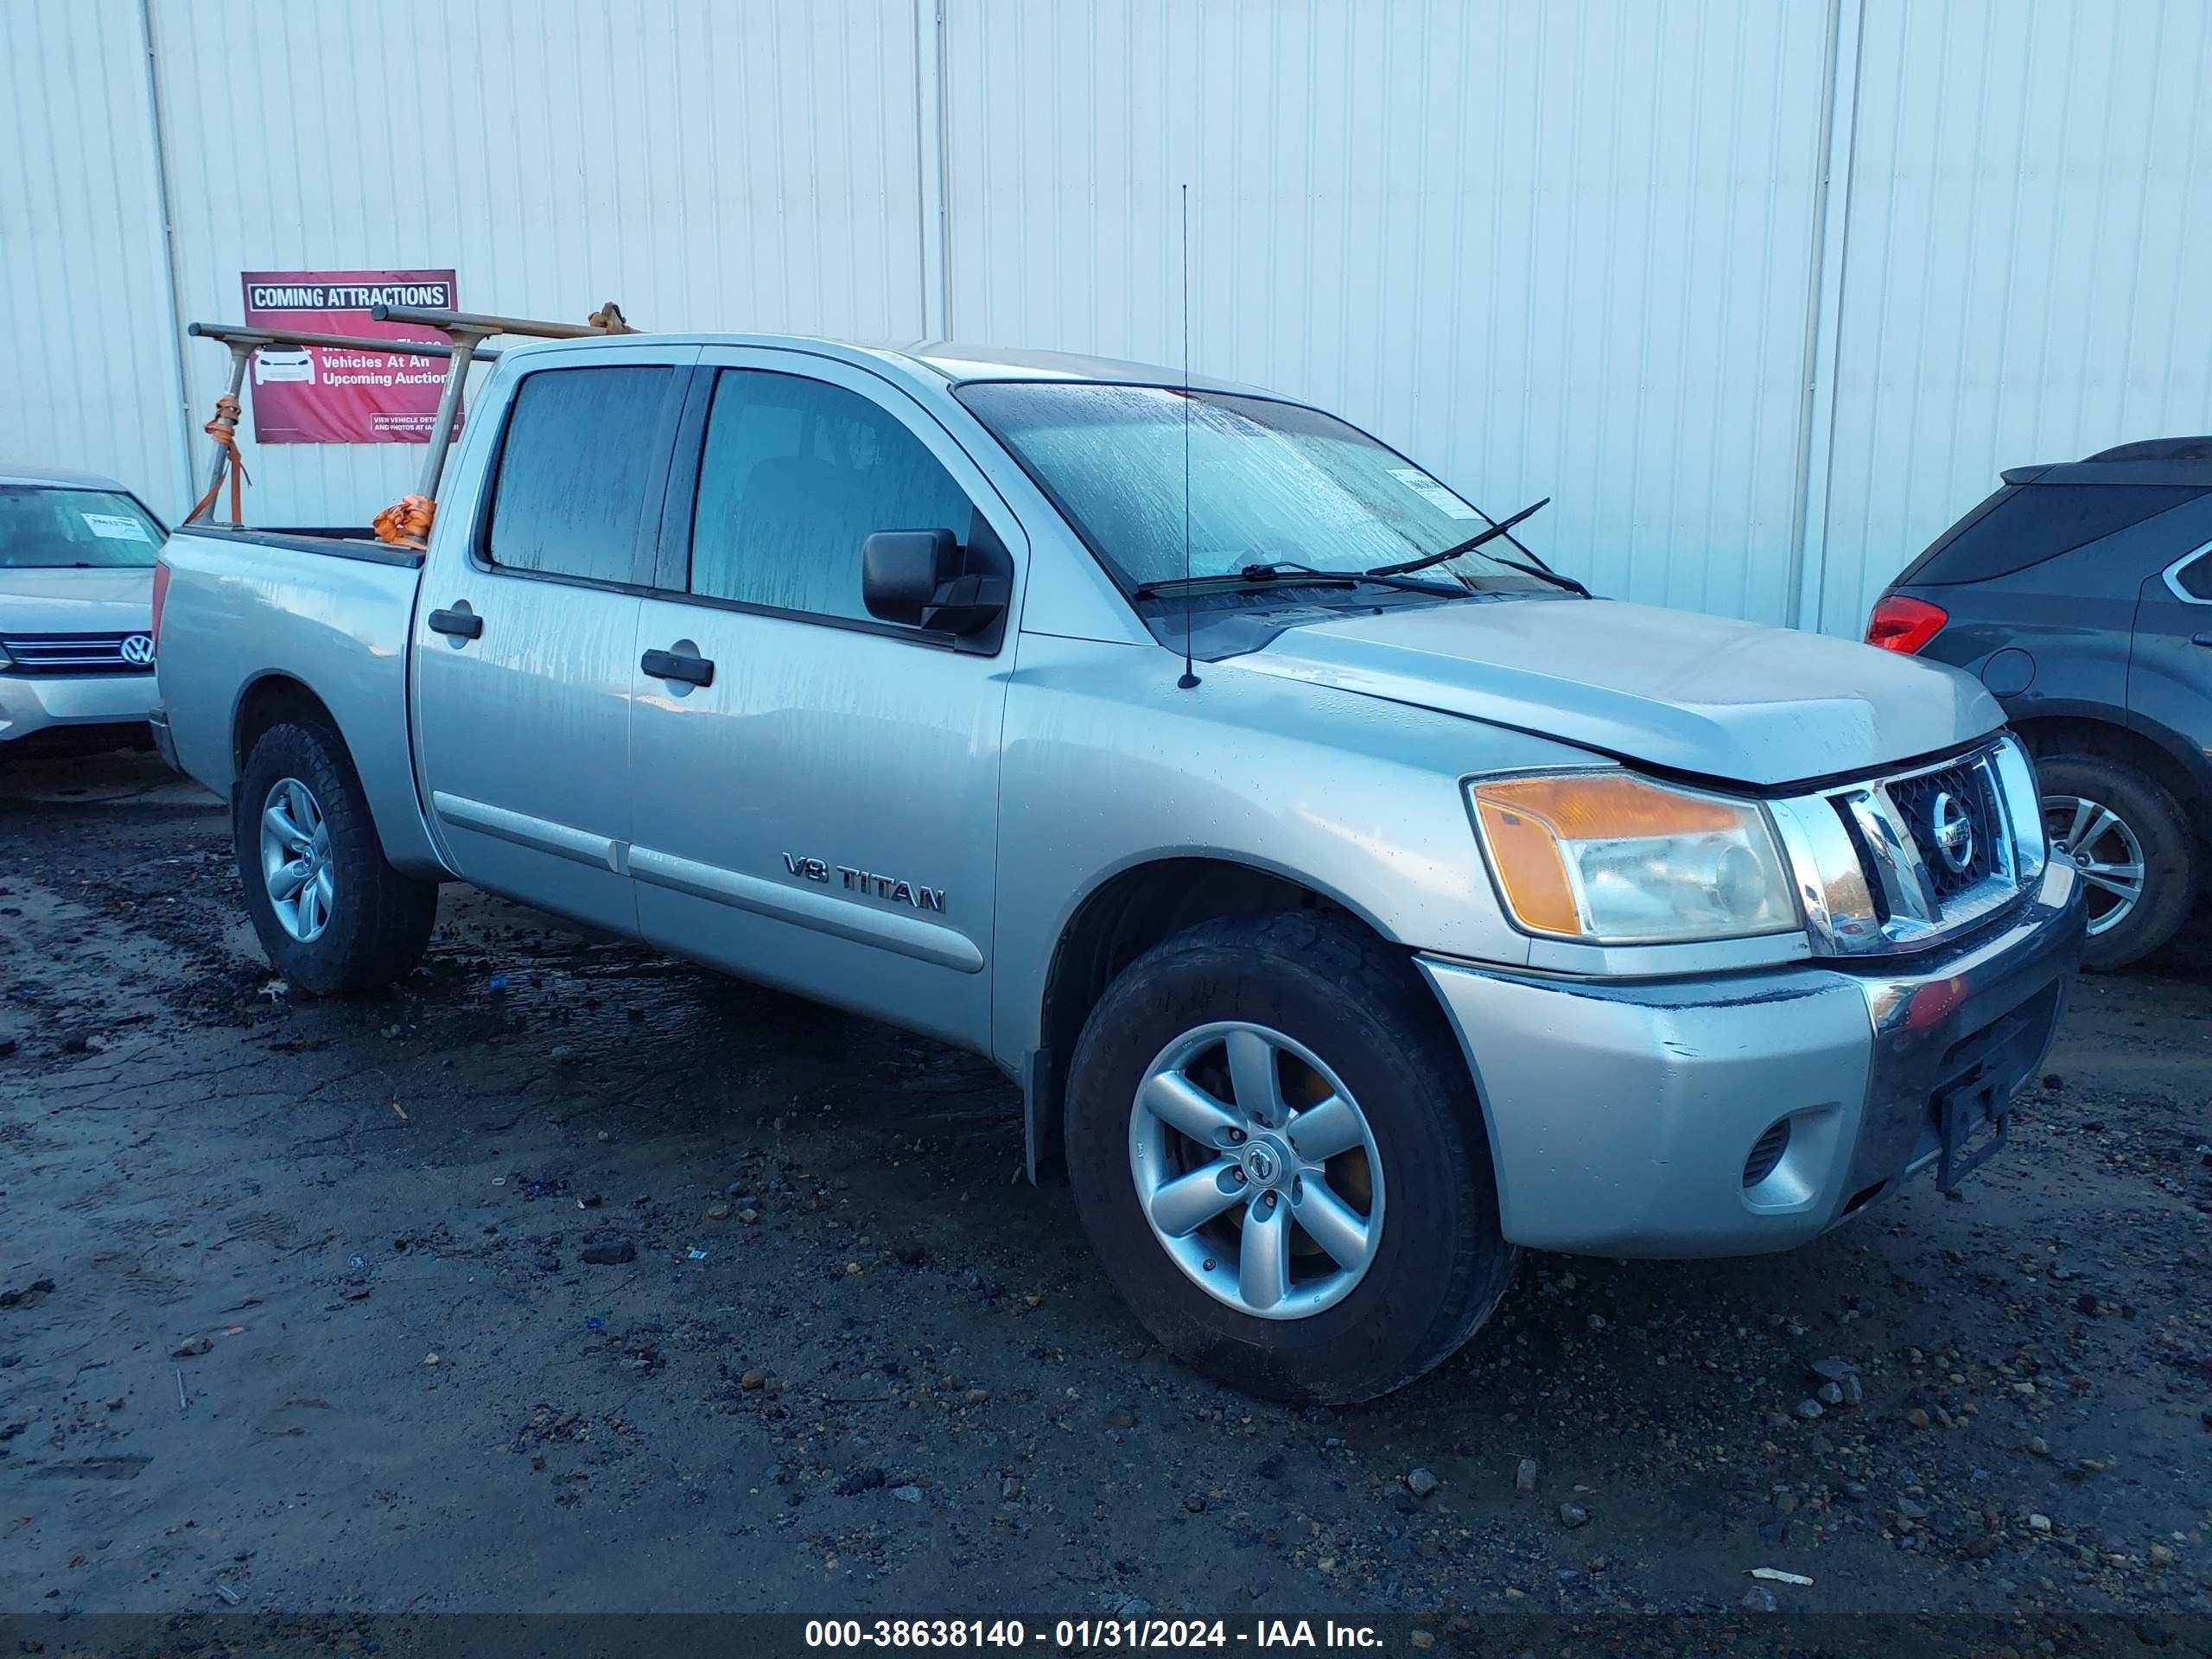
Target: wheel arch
column 275, row 696
column 2100, row 738
column 269, row 699
column 1125, row 913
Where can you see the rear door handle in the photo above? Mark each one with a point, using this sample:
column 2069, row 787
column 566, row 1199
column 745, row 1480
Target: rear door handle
column 2202, row 639
column 458, row 625
column 667, row 665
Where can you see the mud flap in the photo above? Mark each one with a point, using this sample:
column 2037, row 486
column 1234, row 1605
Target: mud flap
column 1043, row 1117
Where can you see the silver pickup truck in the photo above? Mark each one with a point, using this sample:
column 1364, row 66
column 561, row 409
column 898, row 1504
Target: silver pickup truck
column 1429, row 909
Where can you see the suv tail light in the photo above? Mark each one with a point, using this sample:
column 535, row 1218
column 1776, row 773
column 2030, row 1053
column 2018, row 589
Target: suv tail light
column 161, row 594
column 1905, row 624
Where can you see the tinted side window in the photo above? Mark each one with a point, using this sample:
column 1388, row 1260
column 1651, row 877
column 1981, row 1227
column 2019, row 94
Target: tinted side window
column 574, row 468
column 796, row 475
column 2025, row 524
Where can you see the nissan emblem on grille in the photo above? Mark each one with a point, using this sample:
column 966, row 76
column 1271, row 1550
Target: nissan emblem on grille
column 1951, row 825
column 138, row 649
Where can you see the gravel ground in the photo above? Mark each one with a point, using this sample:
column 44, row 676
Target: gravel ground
column 569, row 1277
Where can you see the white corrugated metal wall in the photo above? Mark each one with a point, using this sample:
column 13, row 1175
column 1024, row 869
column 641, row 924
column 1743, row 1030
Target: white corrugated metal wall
column 1558, row 250
column 88, row 360
column 707, row 165
column 2027, row 261
column 1763, row 292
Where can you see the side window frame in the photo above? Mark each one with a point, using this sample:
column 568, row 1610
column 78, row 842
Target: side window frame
column 645, row 544
column 2173, row 574
column 671, row 578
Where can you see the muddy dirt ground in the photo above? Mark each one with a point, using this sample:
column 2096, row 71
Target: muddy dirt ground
column 297, row 1311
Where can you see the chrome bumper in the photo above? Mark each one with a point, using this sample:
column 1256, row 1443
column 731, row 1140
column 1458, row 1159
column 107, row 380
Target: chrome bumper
column 34, row 702
column 1622, row 1113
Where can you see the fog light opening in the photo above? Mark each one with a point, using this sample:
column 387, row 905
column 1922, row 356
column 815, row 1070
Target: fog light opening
column 1766, row 1152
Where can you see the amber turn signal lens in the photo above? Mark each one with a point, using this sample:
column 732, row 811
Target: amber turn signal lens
column 1526, row 857
column 1607, row 807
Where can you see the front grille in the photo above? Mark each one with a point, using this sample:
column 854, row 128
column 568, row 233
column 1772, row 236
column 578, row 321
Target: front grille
column 1897, row 863
column 1953, row 819
column 76, row 653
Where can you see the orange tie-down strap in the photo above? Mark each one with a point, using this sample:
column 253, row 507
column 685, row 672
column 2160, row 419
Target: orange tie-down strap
column 224, row 429
column 406, row 522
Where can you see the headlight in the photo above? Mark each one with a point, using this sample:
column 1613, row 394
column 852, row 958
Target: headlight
column 1610, row 859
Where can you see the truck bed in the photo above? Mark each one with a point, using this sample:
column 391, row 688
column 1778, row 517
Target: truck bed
column 304, row 620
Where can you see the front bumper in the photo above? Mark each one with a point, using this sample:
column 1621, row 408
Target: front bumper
column 38, row 702
column 1622, row 1115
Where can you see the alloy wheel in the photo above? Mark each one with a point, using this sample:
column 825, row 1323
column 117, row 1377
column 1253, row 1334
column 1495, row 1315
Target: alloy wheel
column 295, row 860
column 1257, row 1170
column 2104, row 849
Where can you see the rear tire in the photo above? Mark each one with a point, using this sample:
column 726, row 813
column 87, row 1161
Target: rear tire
column 333, row 913
column 2128, row 820
column 1432, row 1263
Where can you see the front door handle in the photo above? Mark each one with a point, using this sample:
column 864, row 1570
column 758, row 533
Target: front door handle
column 667, row 665
column 2202, row 639
column 458, row 625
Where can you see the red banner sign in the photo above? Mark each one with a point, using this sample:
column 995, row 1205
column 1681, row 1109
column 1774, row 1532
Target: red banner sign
column 325, row 394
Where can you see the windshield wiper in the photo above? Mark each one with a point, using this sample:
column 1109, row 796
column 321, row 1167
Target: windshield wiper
column 1545, row 573
column 1289, row 571
column 1467, row 546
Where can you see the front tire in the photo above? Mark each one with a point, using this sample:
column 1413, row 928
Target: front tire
column 2131, row 845
column 1278, row 1158
column 332, row 914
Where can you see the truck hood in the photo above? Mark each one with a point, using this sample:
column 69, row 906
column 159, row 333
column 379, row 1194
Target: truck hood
column 111, row 601
column 1670, row 689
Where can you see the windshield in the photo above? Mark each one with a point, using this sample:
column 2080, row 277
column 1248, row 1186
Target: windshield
column 1269, row 483
column 46, row 527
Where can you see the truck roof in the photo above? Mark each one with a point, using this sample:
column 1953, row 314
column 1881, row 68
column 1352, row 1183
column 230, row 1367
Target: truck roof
column 942, row 360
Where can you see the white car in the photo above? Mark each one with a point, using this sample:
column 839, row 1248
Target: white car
column 76, row 609
column 292, row 364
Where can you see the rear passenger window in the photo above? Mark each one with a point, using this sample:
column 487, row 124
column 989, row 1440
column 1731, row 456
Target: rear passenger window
column 796, row 475
column 575, row 469
column 2023, row 525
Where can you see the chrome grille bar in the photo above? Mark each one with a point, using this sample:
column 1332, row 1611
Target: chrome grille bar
column 1860, row 863
column 33, row 653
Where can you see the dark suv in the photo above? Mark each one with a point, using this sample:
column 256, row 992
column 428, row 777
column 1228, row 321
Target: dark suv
column 2082, row 596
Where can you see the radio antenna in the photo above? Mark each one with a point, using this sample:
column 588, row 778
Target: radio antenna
column 1189, row 680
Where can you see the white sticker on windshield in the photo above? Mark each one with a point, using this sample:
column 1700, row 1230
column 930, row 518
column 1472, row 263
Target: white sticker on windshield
column 1433, row 492
column 113, row 527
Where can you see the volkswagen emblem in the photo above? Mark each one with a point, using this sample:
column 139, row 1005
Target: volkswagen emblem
column 138, row 650
column 1954, row 832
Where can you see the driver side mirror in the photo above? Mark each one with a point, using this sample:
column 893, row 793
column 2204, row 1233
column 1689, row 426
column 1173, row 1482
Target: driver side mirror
column 925, row 579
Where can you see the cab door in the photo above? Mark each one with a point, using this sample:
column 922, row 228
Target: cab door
column 2169, row 668
column 525, row 634
column 817, row 790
